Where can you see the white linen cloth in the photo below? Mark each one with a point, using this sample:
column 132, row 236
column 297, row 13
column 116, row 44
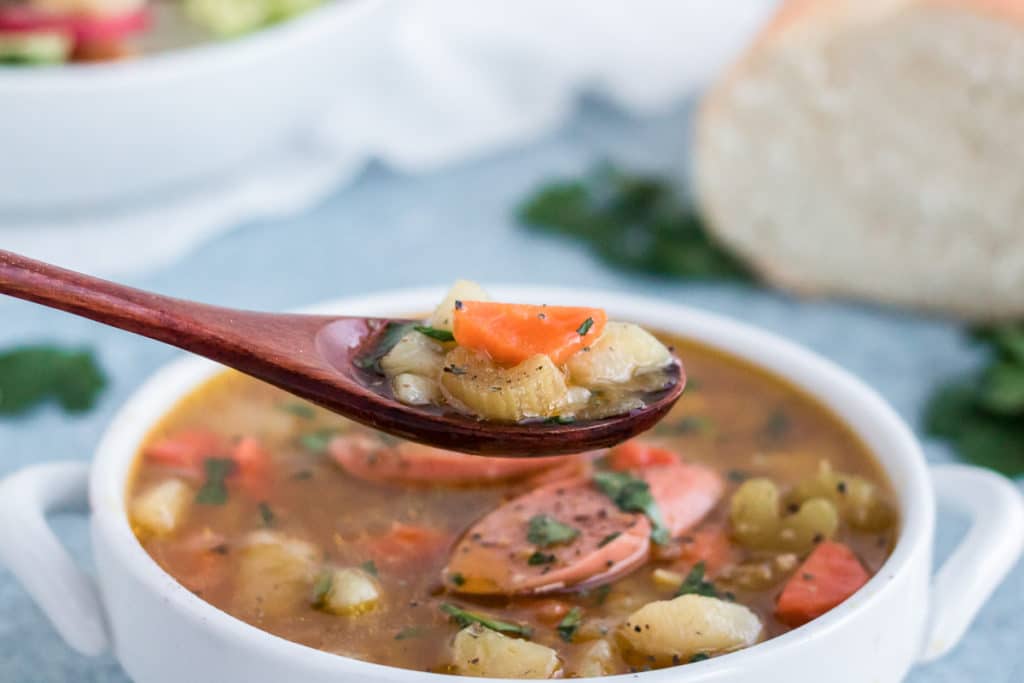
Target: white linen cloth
column 446, row 80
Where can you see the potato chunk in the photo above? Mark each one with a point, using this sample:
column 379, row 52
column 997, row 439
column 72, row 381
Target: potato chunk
column 275, row 573
column 462, row 290
column 535, row 388
column 623, row 351
column 414, row 390
column 162, row 509
column 758, row 523
column 859, row 500
column 479, row 651
column 415, row 353
column 598, row 659
column 678, row 629
column 349, row 591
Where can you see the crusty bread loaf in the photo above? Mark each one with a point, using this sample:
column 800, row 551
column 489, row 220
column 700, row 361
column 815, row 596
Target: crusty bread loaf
column 875, row 149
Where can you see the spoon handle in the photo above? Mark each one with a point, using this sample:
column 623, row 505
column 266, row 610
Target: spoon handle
column 195, row 327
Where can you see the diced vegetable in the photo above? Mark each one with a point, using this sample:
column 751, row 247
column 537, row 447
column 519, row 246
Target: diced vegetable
column 859, row 501
column 678, row 629
column 349, row 592
column 416, row 354
column 479, row 651
column 276, row 573
column 533, row 389
column 463, row 290
column 621, row 353
column 757, row 521
column 598, row 659
column 711, row 546
column 830, row 575
column 513, row 333
column 415, row 390
column 160, row 510
column 252, row 467
column 407, row 543
column 636, row 454
column 186, row 450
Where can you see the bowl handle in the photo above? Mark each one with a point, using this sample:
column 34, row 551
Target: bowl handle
column 30, row 549
column 984, row 557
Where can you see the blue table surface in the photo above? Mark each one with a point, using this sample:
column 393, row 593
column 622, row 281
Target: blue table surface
column 388, row 230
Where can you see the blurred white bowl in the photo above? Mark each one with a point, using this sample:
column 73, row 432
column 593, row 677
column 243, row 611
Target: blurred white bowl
column 84, row 134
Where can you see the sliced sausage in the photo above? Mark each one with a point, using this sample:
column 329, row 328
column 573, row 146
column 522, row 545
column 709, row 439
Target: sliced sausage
column 494, row 556
column 685, row 493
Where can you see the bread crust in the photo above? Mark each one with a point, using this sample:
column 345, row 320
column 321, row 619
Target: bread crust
column 799, row 24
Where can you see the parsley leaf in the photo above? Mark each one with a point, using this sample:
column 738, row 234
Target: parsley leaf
column 298, row 409
column 699, row 657
column 458, row 579
column 465, row 618
column 215, row 491
column 539, row 558
column 317, row 442
column 545, row 531
column 633, row 495
column 386, row 340
column 32, row 375
column 567, row 627
column 694, row 583
column 370, row 567
column 434, row 333
column 409, row 632
column 322, row 587
column 982, row 416
column 634, row 222
column 609, row 538
column 266, row 514
column 585, row 327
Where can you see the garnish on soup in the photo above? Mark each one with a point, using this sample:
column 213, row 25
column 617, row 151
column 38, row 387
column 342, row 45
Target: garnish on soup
column 520, row 362
column 669, row 549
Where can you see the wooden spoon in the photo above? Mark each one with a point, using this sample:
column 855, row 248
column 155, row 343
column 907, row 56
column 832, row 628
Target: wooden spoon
column 310, row 356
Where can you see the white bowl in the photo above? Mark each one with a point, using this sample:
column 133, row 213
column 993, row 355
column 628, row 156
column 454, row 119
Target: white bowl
column 81, row 135
column 162, row 633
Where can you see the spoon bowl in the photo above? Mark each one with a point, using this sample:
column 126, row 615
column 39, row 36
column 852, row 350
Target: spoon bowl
column 312, row 356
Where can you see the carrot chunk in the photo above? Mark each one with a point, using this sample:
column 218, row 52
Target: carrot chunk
column 636, row 454
column 711, row 546
column 252, row 467
column 829, row 575
column 406, row 543
column 511, row 333
column 186, row 451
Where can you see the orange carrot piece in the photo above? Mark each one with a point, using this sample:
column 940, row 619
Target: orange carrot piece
column 710, row 546
column 550, row 611
column 252, row 467
column 186, row 451
column 636, row 454
column 511, row 333
column 829, row 575
column 406, row 543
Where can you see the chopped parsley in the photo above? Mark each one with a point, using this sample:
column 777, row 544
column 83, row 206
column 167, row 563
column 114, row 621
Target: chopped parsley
column 266, row 514
column 317, row 442
column 409, row 632
column 33, row 375
column 322, row 587
column 458, row 579
column 699, row 657
column 435, row 333
column 633, row 495
column 215, row 490
column 545, row 531
column 386, row 340
column 465, row 618
column 567, row 627
column 370, row 567
column 560, row 420
column 539, row 558
column 298, row 409
column 609, row 538
column 695, row 584
column 634, row 222
column 585, row 327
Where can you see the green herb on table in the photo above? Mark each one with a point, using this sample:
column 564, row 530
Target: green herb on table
column 635, row 222
column 32, row 375
column 695, row 584
column 434, row 333
column 633, row 495
column 982, row 416
column 545, row 531
column 464, row 618
column 298, row 409
column 386, row 341
column 569, row 624
column 215, row 490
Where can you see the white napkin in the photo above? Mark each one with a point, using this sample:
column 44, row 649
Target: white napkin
column 445, row 80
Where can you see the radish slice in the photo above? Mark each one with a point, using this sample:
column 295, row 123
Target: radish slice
column 83, row 28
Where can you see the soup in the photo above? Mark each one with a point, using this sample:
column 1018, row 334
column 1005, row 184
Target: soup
column 747, row 512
